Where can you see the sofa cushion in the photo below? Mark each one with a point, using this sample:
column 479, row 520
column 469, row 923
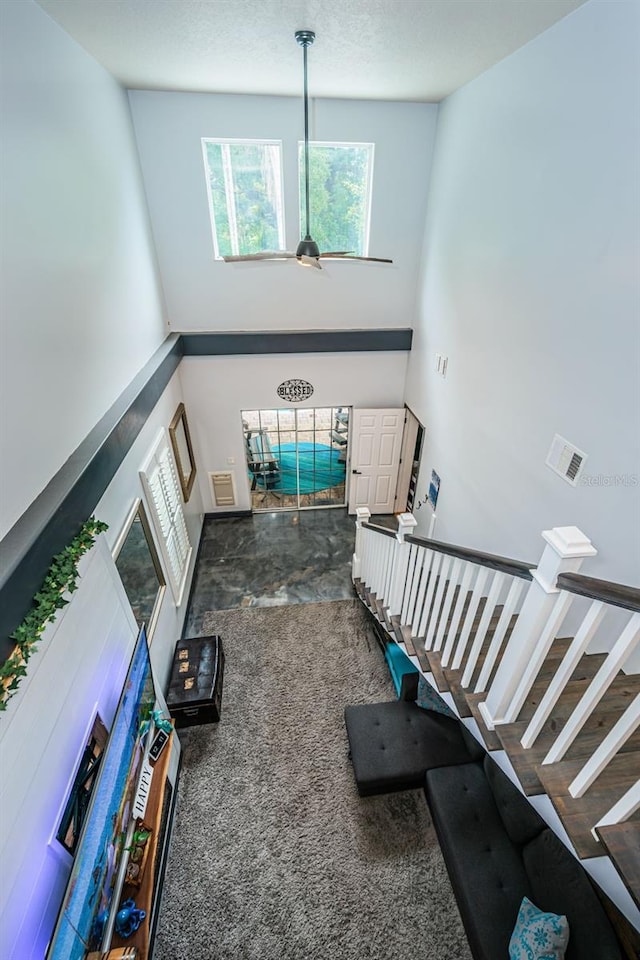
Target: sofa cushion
column 559, row 883
column 486, row 869
column 393, row 744
column 520, row 820
column 538, row 935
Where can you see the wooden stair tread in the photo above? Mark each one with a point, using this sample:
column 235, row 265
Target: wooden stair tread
column 457, row 673
column 597, row 726
column 622, row 842
column 442, row 682
column 359, row 588
column 490, row 737
column 422, row 660
column 468, row 703
column 402, row 635
column 547, row 671
column 476, row 619
column 579, row 815
column 482, row 656
column 408, row 641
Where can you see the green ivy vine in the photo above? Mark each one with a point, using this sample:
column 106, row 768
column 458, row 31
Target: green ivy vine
column 60, row 579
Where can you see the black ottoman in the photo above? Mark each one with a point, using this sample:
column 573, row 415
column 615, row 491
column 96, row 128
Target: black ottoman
column 394, row 744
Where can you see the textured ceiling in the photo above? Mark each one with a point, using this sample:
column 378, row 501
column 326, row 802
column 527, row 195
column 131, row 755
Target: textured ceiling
column 370, row 49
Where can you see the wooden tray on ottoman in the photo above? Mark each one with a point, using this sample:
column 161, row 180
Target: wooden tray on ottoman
column 195, row 687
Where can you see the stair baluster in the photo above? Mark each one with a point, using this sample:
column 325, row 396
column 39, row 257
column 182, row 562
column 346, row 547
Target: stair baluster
column 619, row 654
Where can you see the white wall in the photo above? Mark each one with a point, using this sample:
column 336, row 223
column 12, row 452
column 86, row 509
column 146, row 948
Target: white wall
column 78, row 670
column 204, row 294
column 78, row 272
column 115, row 506
column 531, row 287
column 55, row 703
column 217, row 389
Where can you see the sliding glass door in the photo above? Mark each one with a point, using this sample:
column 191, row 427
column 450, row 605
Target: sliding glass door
column 296, row 458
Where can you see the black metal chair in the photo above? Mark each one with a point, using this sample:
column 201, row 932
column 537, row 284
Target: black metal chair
column 262, row 463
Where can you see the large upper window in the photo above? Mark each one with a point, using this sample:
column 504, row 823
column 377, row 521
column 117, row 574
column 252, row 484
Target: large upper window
column 340, row 178
column 245, row 195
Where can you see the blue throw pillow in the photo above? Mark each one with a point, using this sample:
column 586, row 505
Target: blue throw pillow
column 538, row 935
column 428, row 699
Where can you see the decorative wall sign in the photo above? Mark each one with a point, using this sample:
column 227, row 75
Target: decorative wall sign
column 434, row 489
column 295, row 390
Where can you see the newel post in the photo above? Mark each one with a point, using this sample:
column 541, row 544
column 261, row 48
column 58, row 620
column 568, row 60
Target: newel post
column 406, row 524
column 363, row 515
column 542, row 613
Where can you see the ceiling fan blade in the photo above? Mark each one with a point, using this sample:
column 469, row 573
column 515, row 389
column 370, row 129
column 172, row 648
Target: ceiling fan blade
column 264, row 255
column 372, row 259
column 310, row 262
column 352, row 256
column 336, row 253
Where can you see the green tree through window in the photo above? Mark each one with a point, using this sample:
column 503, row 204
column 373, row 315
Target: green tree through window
column 245, row 195
column 340, row 177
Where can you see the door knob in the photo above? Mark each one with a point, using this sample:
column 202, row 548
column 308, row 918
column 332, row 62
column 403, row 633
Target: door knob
column 359, row 472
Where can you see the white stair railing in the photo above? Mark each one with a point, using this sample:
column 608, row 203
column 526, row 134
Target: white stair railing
column 541, row 614
column 362, row 516
column 406, row 524
column 477, row 594
column 431, row 614
column 447, row 602
column 511, row 606
column 470, row 570
column 615, row 739
column 426, row 592
column 481, row 632
column 615, row 661
column 622, row 810
column 584, row 635
column 437, row 589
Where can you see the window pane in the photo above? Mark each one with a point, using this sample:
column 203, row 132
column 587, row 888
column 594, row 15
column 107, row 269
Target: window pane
column 339, row 195
column 245, row 195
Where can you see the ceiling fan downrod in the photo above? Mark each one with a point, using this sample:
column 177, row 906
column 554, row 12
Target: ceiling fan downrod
column 306, row 247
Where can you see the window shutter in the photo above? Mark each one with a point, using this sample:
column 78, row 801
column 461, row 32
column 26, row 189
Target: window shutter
column 161, row 483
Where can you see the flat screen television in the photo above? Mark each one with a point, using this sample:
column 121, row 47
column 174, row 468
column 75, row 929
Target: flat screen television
column 92, row 889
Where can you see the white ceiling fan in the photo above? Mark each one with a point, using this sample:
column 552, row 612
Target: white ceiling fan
column 308, row 252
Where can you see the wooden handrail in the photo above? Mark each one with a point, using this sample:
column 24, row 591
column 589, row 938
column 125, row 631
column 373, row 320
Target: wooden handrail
column 384, row 530
column 617, row 594
column 515, row 568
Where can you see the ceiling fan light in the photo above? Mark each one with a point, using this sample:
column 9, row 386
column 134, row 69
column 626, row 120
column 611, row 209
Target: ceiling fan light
column 308, row 248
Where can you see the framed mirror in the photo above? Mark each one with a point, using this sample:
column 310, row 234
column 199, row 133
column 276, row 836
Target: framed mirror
column 139, row 567
column 183, row 451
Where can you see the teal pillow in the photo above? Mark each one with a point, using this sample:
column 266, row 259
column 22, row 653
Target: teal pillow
column 428, row 699
column 538, row 935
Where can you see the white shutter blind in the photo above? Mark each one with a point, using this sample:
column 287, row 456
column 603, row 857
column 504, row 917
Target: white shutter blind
column 161, row 483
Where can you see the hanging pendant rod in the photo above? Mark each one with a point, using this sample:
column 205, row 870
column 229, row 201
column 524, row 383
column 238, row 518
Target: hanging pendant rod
column 306, row 247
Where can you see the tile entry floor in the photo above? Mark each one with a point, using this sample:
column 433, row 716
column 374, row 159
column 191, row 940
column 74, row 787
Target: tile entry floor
column 272, row 559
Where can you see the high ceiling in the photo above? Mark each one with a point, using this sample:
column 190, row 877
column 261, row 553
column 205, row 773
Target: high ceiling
column 365, row 49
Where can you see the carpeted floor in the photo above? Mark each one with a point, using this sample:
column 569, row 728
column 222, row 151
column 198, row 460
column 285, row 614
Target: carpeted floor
column 274, row 856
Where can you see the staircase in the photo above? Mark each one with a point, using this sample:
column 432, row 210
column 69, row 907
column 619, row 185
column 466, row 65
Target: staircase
column 537, row 660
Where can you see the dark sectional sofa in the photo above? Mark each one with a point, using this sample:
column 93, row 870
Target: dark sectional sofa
column 498, row 850
column 496, row 847
column 393, row 745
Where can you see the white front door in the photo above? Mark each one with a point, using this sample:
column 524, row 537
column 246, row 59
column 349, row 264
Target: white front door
column 376, row 441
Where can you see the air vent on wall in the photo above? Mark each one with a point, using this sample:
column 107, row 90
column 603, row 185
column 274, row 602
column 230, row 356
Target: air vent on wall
column 223, row 492
column 566, row 460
